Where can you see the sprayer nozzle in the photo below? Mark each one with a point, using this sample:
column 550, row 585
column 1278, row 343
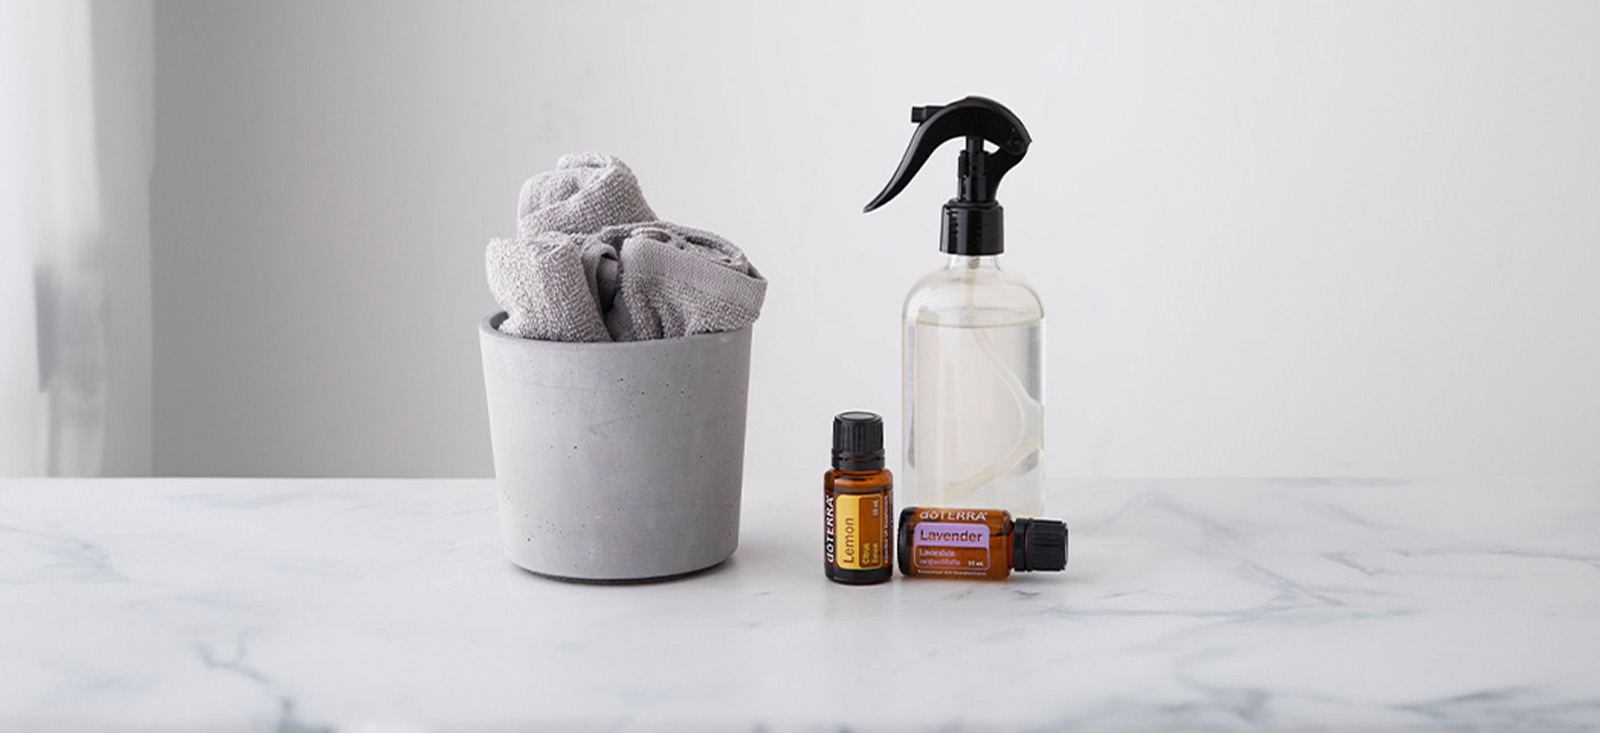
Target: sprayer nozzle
column 972, row 219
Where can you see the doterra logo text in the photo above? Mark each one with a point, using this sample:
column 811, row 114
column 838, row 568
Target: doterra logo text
column 953, row 515
column 827, row 528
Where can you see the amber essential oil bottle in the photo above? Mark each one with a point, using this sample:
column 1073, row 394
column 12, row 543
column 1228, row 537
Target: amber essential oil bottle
column 857, row 506
column 953, row 542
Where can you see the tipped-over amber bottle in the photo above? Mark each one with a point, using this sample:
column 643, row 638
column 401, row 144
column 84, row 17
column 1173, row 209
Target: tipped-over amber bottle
column 954, row 542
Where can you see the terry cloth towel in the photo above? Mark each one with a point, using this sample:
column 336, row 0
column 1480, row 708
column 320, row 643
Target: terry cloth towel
column 676, row 281
column 584, row 194
column 583, row 269
column 542, row 285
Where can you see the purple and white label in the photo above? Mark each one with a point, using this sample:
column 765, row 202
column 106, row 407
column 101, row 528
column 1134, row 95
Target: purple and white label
column 950, row 534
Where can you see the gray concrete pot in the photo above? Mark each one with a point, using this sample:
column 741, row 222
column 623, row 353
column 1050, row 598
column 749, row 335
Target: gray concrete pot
column 617, row 461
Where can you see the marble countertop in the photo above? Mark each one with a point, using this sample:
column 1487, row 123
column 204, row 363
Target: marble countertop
column 385, row 605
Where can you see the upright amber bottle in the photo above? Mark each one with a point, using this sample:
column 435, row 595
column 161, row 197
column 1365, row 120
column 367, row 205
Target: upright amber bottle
column 954, row 542
column 857, row 505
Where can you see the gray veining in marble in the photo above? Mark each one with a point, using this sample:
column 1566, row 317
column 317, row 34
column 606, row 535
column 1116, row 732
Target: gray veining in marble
column 382, row 605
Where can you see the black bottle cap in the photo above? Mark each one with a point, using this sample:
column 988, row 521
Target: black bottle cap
column 857, row 441
column 1039, row 544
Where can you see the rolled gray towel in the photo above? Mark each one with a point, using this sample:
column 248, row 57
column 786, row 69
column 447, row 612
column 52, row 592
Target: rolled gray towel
column 542, row 284
column 584, row 194
column 583, row 269
column 678, row 281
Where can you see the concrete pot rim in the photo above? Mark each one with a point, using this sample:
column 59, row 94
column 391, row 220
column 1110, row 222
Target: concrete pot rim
column 488, row 327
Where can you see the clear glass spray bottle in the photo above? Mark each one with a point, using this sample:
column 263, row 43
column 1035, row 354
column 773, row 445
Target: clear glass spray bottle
column 974, row 333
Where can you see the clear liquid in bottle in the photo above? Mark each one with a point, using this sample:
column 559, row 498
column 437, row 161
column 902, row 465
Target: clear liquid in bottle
column 974, row 390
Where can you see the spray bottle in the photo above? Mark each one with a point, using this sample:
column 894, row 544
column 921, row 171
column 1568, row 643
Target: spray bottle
column 973, row 356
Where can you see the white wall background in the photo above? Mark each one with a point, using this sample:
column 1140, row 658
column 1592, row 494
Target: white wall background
column 1272, row 239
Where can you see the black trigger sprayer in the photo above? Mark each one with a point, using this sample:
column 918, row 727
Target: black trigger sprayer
column 974, row 334
column 974, row 222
